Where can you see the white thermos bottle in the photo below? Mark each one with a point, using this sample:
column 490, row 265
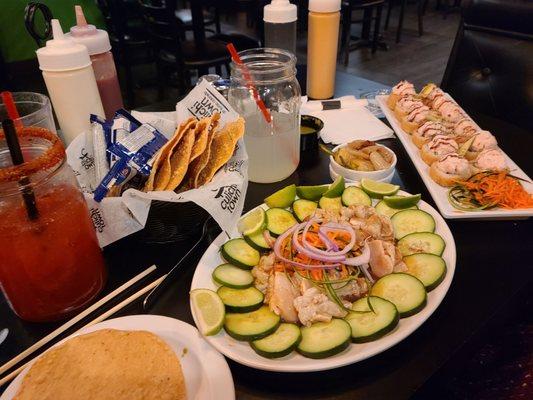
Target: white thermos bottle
column 69, row 78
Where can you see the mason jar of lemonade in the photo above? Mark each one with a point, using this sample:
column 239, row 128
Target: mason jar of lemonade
column 50, row 262
column 273, row 146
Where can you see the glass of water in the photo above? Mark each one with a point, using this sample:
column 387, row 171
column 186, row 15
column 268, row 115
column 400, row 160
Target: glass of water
column 273, row 147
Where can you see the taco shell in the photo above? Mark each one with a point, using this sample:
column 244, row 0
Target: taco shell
column 200, row 162
column 163, row 172
column 179, row 160
column 221, row 149
column 106, row 364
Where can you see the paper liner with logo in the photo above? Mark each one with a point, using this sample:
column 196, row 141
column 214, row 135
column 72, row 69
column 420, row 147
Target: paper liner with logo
column 222, row 197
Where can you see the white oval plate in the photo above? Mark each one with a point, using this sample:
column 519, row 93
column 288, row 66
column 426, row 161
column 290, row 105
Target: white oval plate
column 207, row 375
column 242, row 353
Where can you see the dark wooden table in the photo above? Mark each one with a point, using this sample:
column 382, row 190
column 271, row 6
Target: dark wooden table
column 494, row 263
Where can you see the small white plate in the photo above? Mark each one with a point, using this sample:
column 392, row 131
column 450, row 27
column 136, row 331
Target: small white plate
column 207, row 375
column 242, row 353
column 334, row 176
column 440, row 193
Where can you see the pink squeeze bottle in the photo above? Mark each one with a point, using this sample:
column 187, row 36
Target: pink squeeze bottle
column 97, row 42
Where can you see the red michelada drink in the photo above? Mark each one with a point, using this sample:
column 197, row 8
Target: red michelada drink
column 50, row 262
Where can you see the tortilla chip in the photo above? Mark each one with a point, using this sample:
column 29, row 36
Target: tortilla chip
column 179, row 160
column 162, row 177
column 222, row 149
column 200, row 140
column 201, row 161
column 162, row 157
column 106, row 364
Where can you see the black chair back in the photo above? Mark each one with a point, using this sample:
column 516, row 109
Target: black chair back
column 162, row 25
column 490, row 70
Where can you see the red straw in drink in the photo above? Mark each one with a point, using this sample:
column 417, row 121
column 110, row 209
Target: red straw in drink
column 11, row 108
column 249, row 82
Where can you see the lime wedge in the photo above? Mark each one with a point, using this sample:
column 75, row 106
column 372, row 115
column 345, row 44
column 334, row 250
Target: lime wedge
column 311, row 192
column 209, row 311
column 252, row 223
column 402, row 201
column 336, row 188
column 282, row 198
column 378, row 189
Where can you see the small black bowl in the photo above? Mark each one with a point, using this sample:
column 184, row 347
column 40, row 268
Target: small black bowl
column 310, row 127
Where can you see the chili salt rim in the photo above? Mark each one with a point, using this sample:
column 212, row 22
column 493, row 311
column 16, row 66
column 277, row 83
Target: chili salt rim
column 52, row 156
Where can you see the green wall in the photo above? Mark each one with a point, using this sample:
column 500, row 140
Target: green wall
column 17, row 44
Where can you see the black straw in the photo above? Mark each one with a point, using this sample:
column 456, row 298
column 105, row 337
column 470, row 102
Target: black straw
column 17, row 158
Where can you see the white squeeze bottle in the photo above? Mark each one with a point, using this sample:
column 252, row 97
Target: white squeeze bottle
column 69, row 78
column 97, row 42
column 280, row 19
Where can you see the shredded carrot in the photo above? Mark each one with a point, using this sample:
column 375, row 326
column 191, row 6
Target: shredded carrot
column 499, row 189
column 316, row 274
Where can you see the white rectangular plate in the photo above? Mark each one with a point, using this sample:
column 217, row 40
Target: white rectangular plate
column 440, row 193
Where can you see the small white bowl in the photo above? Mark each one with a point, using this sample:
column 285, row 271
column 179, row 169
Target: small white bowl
column 353, row 175
column 334, row 175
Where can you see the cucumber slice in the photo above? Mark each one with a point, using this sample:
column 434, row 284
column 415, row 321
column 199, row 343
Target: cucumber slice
column 279, row 220
column 257, row 241
column 423, row 242
column 368, row 325
column 325, row 339
column 405, row 291
column 252, row 325
column 429, row 268
column 333, row 204
column 280, row 343
column 240, row 253
column 411, row 221
column 384, row 209
column 303, row 209
column 353, row 196
column 232, row 276
column 241, row 300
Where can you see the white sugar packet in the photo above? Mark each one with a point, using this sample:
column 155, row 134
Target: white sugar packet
column 223, row 197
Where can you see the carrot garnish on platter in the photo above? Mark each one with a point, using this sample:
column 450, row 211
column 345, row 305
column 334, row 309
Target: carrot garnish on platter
column 490, row 189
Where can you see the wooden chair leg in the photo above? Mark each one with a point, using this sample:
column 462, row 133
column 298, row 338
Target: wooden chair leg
column 420, row 17
column 387, row 18
column 425, row 6
column 400, row 22
column 347, row 31
column 377, row 26
column 217, row 20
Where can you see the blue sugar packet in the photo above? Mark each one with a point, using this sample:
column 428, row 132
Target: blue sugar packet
column 123, row 123
column 116, row 176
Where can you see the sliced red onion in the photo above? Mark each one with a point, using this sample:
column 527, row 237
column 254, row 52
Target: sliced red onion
column 361, row 259
column 268, row 238
column 324, row 257
column 346, row 249
column 277, row 252
column 330, row 244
